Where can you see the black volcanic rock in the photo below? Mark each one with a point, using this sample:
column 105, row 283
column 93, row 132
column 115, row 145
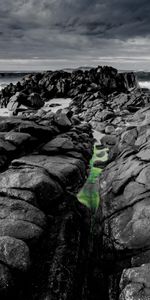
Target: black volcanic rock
column 62, row 121
column 43, row 227
column 44, row 162
column 124, row 210
column 16, row 100
column 58, row 145
column 64, row 84
column 34, row 100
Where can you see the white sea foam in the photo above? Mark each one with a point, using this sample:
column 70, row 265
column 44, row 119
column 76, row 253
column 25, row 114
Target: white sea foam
column 144, row 84
column 63, row 103
column 4, row 112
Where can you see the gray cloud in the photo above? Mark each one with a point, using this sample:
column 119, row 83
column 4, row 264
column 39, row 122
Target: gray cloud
column 81, row 31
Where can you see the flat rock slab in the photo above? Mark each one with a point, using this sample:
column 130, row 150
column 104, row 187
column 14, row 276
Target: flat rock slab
column 21, row 194
column 20, row 229
column 32, row 179
column 63, row 144
column 17, row 138
column 20, row 210
column 40, row 132
column 67, row 170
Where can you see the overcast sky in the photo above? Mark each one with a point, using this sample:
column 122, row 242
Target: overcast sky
column 41, row 34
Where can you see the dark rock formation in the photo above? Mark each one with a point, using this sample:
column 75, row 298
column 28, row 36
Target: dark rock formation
column 50, row 247
column 34, row 89
column 44, row 230
column 101, row 109
column 124, row 210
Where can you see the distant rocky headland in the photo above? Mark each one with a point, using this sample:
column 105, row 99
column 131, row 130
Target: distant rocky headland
column 52, row 247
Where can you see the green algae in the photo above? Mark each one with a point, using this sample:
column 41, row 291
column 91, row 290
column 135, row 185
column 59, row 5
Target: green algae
column 89, row 195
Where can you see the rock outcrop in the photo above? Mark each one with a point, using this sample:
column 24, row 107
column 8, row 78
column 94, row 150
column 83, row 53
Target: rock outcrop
column 98, row 108
column 50, row 247
column 44, row 230
column 35, row 89
column 124, row 208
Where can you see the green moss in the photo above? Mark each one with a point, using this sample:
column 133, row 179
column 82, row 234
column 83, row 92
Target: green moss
column 90, row 200
column 94, row 173
column 89, row 194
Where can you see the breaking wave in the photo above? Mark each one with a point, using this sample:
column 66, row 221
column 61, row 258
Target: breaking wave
column 144, row 84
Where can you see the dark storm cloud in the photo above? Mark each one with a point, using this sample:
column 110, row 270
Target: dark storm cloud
column 72, row 29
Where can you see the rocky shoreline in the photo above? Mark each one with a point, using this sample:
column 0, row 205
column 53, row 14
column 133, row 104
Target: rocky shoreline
column 44, row 162
column 124, row 210
column 55, row 247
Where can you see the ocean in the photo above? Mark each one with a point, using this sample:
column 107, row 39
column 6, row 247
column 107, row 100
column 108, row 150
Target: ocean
column 10, row 77
column 144, row 84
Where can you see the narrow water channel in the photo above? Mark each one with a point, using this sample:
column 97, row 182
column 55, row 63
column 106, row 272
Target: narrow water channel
column 89, row 194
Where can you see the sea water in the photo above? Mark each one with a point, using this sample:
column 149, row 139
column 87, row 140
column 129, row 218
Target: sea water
column 9, row 77
column 5, row 79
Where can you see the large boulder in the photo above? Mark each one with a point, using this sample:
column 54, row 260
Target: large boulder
column 16, row 100
column 33, row 178
column 34, row 100
column 62, row 121
column 59, row 144
column 68, row 171
column 17, row 138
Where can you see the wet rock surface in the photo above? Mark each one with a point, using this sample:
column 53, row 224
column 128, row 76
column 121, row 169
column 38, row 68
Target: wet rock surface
column 44, row 230
column 123, row 213
column 62, row 252
column 35, row 89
